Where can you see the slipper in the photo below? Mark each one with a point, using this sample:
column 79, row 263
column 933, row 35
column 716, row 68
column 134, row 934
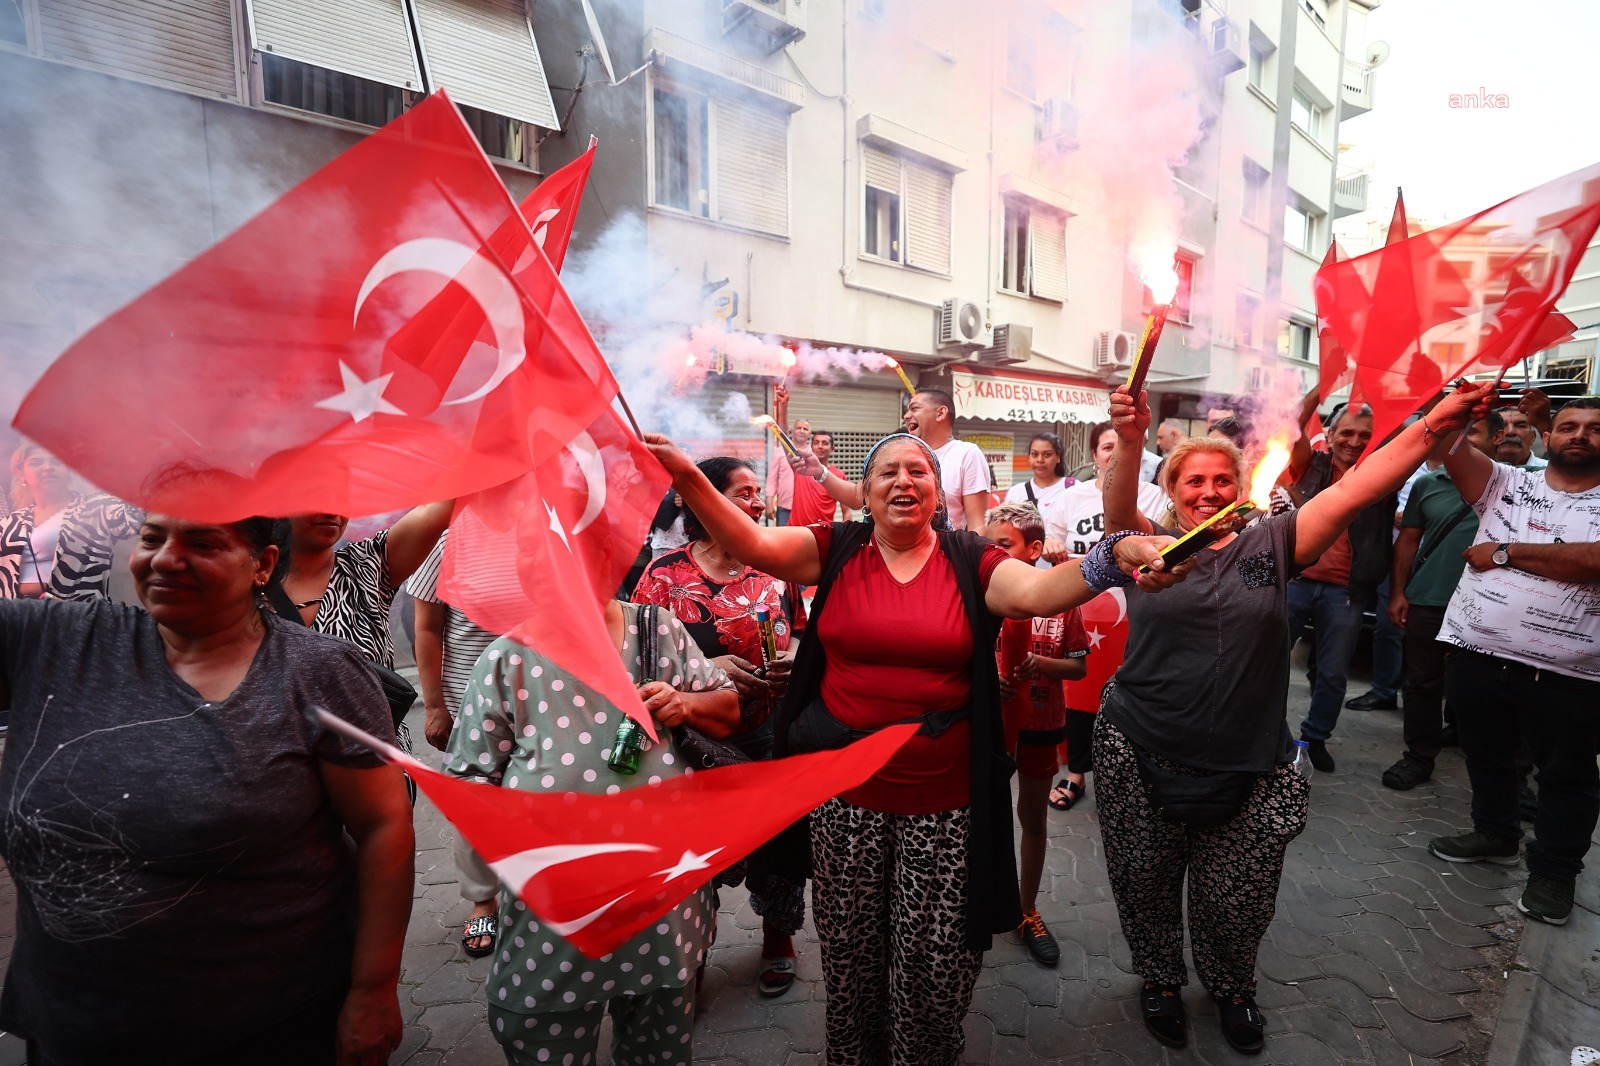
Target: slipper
column 483, row 925
column 1162, row 1006
column 1073, row 791
column 776, row 979
column 1243, row 1026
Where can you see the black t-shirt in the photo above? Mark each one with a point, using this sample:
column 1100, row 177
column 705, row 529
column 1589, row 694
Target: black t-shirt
column 1205, row 679
column 182, row 877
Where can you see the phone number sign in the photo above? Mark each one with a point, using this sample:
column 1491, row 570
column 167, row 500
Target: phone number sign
column 1005, row 399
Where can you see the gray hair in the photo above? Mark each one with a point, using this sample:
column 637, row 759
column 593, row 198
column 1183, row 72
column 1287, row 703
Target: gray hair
column 1024, row 516
column 941, row 516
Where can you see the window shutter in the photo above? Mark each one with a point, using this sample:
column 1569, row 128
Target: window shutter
column 364, row 38
column 933, row 23
column 482, row 52
column 183, row 44
column 1047, row 254
column 752, row 165
column 882, row 170
column 927, row 213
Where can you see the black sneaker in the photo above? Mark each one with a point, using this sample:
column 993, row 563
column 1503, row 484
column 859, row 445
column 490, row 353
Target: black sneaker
column 1371, row 701
column 1547, row 899
column 1406, row 775
column 1037, row 939
column 1475, row 847
column 1321, row 761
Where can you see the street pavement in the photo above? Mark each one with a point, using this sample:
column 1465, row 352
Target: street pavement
column 1378, row 954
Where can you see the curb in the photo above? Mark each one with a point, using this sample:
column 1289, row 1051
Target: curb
column 1554, row 1005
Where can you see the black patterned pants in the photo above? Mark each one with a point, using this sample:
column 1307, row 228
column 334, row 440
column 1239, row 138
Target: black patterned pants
column 1233, row 870
column 888, row 897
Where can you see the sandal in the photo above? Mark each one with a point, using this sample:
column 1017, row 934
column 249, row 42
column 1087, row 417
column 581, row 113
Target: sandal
column 483, row 925
column 777, row 978
column 1242, row 1023
column 1163, row 1014
column 1072, row 789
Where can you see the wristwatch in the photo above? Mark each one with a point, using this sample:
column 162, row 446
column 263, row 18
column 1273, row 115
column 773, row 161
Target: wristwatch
column 1502, row 555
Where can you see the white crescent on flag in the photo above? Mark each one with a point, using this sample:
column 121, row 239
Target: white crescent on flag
column 517, row 869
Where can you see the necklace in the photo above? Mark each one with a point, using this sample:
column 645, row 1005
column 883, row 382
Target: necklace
column 733, row 571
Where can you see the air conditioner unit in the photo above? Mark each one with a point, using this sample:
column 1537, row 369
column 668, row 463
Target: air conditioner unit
column 773, row 23
column 1226, row 46
column 1058, row 124
column 1013, row 344
column 964, row 323
column 1113, row 350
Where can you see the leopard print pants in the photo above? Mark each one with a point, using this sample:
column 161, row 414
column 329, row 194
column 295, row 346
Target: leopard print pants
column 1233, row 870
column 889, row 896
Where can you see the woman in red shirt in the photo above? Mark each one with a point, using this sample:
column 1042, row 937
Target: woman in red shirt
column 914, row 870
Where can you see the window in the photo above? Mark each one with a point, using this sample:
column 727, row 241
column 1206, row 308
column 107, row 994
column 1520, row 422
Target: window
column 13, row 29
column 906, row 217
column 1294, row 340
column 1256, row 193
column 1260, row 54
column 1183, row 300
column 743, row 180
column 327, row 92
column 1247, row 319
column 1301, row 225
column 1305, row 115
column 1033, row 260
column 1021, row 59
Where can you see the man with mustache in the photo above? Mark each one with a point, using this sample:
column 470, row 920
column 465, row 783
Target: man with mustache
column 1525, row 622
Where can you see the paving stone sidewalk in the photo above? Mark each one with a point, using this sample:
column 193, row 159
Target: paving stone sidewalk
column 1379, row 953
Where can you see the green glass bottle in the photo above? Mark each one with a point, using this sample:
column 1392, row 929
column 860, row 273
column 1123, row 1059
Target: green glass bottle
column 627, row 747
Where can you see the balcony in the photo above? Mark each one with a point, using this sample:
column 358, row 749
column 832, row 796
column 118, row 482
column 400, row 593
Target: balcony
column 1350, row 196
column 1355, row 91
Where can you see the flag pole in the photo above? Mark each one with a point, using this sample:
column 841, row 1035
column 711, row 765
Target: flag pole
column 522, row 293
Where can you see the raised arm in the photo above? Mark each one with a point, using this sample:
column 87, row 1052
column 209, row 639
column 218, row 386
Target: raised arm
column 1131, row 422
column 1469, row 468
column 1328, row 513
column 413, row 537
column 788, row 553
column 808, row 465
column 1300, row 451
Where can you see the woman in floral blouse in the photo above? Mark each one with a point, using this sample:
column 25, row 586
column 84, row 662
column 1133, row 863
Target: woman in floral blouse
column 715, row 596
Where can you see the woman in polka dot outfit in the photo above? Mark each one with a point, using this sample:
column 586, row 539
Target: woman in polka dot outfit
column 542, row 730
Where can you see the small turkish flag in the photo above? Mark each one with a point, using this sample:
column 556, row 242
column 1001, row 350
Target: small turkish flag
column 1478, row 294
column 278, row 366
column 551, row 209
column 1105, row 620
column 536, row 556
column 597, row 869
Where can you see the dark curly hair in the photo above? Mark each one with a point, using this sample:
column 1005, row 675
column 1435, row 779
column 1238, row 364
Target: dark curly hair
column 719, row 471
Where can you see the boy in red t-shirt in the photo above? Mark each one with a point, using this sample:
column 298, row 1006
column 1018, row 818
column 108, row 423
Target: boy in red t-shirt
column 1034, row 657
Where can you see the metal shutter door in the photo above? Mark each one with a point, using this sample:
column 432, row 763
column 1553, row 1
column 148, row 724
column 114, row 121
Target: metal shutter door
column 882, row 170
column 927, row 213
column 482, row 52
column 752, row 165
column 184, row 44
column 364, row 38
column 858, row 417
column 1047, row 254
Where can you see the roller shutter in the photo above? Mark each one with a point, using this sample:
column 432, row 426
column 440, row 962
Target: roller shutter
column 752, row 165
column 186, row 45
column 1047, row 249
column 483, row 53
column 927, row 213
column 364, row 38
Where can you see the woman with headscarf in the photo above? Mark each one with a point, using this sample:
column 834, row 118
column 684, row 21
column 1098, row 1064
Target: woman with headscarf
column 914, row 870
column 1193, row 759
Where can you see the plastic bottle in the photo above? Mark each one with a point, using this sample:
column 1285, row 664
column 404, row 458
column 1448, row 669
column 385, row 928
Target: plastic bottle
column 1302, row 759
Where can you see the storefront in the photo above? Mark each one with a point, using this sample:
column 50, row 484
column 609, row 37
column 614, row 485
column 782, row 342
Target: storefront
column 1001, row 412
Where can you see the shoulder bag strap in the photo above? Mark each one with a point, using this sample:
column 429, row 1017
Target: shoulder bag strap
column 282, row 605
column 1027, row 486
column 649, row 642
column 1444, row 531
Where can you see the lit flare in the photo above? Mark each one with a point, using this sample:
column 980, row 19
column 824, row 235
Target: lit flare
column 777, row 431
column 895, row 366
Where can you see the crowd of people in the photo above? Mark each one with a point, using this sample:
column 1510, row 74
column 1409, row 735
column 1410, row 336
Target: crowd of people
column 170, row 812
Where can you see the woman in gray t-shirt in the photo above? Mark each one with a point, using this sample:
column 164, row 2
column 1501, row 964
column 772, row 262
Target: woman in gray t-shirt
column 1202, row 694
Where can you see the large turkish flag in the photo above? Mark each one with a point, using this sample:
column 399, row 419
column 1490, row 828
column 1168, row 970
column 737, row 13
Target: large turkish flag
column 276, row 373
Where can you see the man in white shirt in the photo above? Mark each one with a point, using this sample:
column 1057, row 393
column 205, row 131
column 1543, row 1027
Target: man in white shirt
column 1525, row 620
column 931, row 415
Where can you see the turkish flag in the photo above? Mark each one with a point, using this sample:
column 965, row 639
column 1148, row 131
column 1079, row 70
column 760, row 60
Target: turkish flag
column 1105, row 620
column 536, row 556
column 597, row 869
column 1478, row 294
column 552, row 208
column 274, row 373
column 1334, row 366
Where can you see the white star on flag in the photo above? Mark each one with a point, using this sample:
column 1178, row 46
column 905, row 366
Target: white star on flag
column 689, row 863
column 556, row 526
column 360, row 399
column 1095, row 637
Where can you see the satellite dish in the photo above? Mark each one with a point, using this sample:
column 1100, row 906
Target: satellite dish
column 1377, row 53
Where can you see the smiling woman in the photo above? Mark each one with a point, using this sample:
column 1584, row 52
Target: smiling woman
column 210, row 836
column 903, row 629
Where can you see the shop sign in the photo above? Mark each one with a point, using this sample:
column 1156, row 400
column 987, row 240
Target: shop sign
column 1003, row 399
